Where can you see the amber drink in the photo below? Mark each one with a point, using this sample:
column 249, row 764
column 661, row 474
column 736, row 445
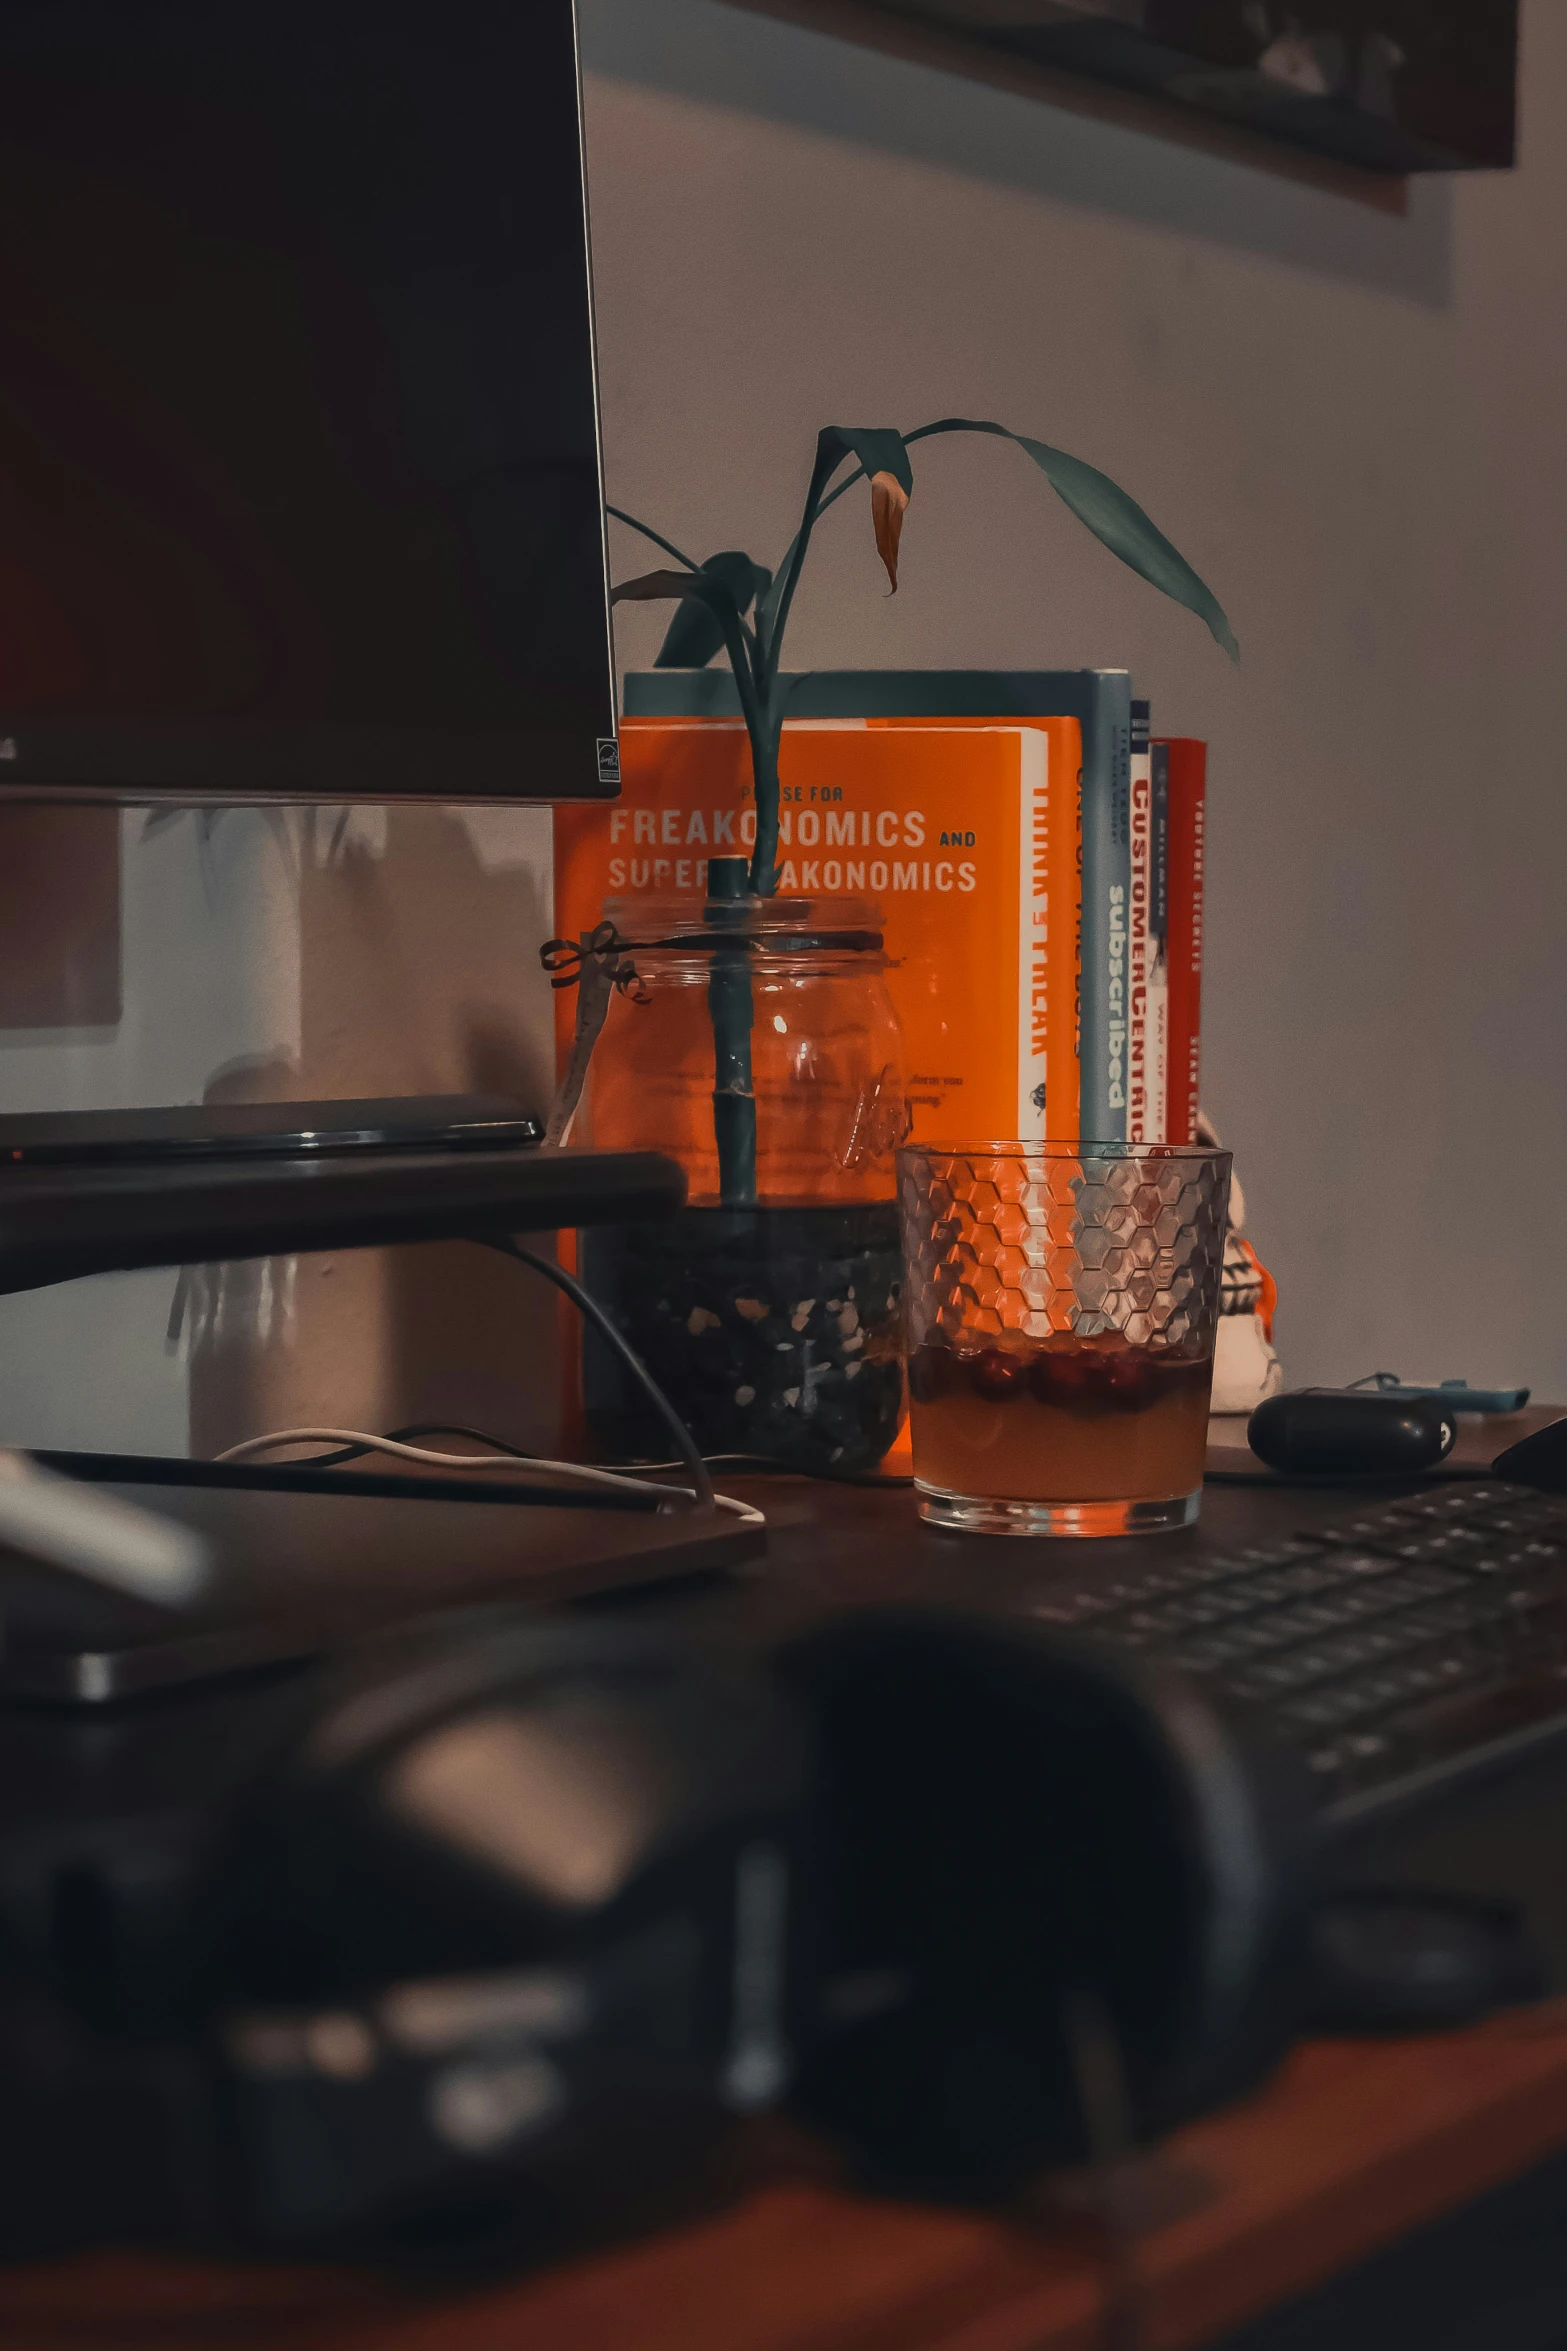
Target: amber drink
column 1061, row 1308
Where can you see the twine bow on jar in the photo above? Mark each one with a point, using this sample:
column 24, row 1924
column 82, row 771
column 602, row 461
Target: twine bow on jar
column 568, row 961
column 598, row 965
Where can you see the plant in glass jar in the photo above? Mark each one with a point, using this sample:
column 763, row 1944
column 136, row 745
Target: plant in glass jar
column 769, row 1309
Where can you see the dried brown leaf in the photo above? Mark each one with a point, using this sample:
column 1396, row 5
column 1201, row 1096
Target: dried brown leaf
column 653, row 587
column 888, row 500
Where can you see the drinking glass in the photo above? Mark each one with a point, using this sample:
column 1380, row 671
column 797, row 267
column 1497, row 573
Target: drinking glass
column 1061, row 1301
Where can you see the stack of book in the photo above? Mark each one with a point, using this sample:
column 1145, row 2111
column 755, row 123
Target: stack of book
column 1037, row 856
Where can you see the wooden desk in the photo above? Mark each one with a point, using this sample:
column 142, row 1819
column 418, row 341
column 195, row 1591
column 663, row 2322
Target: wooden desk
column 1354, row 2145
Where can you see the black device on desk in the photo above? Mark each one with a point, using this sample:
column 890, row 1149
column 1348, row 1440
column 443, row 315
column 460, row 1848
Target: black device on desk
column 299, row 1563
column 1339, row 1432
column 251, row 1130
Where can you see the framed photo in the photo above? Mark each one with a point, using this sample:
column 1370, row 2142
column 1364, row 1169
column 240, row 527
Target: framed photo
column 1392, row 85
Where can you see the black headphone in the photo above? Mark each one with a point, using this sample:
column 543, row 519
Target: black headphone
column 508, row 1918
column 1080, row 1895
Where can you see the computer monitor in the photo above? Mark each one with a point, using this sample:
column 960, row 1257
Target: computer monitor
column 300, row 491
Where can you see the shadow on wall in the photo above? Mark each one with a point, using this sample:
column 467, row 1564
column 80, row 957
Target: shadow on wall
column 59, row 949
column 723, row 56
column 419, row 974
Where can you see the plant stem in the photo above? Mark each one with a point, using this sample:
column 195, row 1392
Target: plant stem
column 657, row 537
column 765, row 729
column 730, row 1010
column 764, row 778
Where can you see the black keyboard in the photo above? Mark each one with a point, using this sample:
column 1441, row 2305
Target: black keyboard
column 1399, row 1650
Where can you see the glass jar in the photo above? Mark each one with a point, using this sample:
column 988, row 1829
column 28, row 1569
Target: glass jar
column 768, row 1310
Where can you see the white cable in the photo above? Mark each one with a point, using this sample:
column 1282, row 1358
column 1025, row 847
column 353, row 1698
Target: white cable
column 486, row 1461
column 425, row 1453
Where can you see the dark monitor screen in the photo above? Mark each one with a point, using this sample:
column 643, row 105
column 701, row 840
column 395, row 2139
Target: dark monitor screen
column 299, row 468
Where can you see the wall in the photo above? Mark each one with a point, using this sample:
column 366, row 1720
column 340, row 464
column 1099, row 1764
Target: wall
column 202, row 965
column 1349, row 422
column 265, row 955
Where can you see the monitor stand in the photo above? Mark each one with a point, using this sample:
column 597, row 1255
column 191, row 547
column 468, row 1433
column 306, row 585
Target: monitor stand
column 303, row 1560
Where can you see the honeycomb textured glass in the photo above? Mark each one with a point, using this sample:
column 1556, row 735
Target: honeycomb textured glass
column 1120, row 1240
column 1060, row 1305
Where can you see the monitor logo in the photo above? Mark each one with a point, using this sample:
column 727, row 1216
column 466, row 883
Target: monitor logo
column 8, row 748
column 609, row 759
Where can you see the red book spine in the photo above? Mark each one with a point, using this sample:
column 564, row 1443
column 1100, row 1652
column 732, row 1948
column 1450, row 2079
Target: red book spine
column 1188, row 811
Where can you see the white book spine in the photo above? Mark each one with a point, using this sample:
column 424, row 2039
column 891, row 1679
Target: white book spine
column 1033, row 937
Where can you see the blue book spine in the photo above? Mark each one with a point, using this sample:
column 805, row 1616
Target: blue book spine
column 1107, row 883
column 1159, row 946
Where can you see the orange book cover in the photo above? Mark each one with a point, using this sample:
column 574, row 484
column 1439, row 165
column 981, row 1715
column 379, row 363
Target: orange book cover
column 967, row 835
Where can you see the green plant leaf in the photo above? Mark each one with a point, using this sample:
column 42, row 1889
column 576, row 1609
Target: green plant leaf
column 656, row 587
column 1116, row 520
column 696, row 634
column 879, row 448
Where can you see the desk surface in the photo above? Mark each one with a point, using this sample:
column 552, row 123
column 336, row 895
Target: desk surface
column 1351, row 2147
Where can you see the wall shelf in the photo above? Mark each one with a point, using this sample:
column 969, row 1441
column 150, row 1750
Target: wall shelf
column 1442, row 103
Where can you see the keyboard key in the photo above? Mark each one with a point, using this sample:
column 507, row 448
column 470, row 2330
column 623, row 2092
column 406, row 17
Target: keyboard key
column 1137, row 1588
column 1251, row 1636
column 1444, row 1619
column 1361, row 1531
column 1519, row 1518
column 1071, row 1608
column 1445, row 1546
column 1271, row 1677
column 1380, row 1689
column 1363, row 1755
column 1200, row 1608
column 1461, row 1542
column 1500, row 1557
column 1331, row 1709
column 1210, row 1655
column 1447, row 1505
column 1351, row 1559
column 1367, row 1646
column 1418, row 1583
column 1292, row 1583
column 1196, row 1574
